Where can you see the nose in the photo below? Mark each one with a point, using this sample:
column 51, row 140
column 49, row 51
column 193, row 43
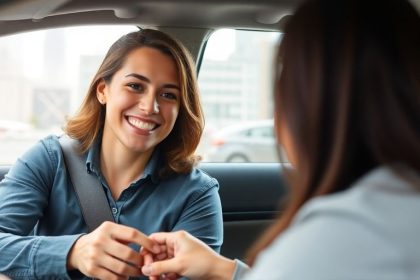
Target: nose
column 148, row 104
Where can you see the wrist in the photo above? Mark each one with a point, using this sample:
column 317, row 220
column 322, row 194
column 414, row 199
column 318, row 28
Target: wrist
column 223, row 268
column 71, row 265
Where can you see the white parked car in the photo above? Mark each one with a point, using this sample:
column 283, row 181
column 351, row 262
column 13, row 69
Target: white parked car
column 245, row 142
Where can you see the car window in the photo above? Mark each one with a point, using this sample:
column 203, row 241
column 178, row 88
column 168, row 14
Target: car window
column 43, row 77
column 235, row 82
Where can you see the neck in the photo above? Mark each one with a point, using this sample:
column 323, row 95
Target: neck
column 121, row 166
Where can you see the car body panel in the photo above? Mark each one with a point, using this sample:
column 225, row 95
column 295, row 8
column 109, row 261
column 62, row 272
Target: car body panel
column 245, row 142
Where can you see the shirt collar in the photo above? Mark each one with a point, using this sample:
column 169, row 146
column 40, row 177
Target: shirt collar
column 151, row 169
column 92, row 159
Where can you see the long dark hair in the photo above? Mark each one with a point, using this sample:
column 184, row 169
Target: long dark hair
column 348, row 89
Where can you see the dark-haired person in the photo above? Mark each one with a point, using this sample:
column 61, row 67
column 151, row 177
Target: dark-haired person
column 138, row 129
column 347, row 111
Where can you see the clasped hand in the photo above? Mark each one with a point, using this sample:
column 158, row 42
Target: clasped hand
column 104, row 253
column 181, row 254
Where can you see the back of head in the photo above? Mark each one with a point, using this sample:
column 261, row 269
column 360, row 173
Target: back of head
column 348, row 89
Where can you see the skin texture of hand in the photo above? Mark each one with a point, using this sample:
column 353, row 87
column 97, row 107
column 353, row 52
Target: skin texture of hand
column 187, row 256
column 104, row 253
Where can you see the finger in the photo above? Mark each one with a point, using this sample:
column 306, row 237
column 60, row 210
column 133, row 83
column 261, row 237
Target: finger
column 122, row 252
column 110, row 275
column 148, row 259
column 103, row 273
column 163, row 248
column 166, row 240
column 160, row 267
column 170, row 239
column 119, row 267
column 172, row 276
column 163, row 238
column 141, row 262
column 162, row 256
column 124, row 234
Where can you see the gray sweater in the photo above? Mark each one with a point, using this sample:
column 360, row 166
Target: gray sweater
column 370, row 231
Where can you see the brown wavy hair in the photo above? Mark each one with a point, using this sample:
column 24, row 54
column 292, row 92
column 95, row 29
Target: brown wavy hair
column 179, row 146
column 347, row 86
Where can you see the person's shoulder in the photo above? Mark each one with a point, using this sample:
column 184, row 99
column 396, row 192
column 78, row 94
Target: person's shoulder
column 41, row 158
column 45, row 147
column 196, row 180
column 204, row 177
column 197, row 175
column 331, row 248
column 52, row 145
column 376, row 199
column 51, row 140
column 330, row 244
column 366, row 231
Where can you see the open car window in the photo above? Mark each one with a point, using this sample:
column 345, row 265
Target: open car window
column 235, row 79
column 44, row 76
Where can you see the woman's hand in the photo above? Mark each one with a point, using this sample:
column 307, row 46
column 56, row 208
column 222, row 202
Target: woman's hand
column 104, row 253
column 187, row 256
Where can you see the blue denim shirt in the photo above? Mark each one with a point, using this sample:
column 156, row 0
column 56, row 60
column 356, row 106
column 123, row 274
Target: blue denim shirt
column 40, row 218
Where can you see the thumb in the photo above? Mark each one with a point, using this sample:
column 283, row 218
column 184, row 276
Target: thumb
column 157, row 268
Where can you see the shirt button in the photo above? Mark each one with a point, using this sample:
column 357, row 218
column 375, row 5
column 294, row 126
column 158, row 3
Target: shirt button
column 114, row 210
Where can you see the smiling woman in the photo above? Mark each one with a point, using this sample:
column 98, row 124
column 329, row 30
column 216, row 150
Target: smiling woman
column 131, row 131
column 142, row 104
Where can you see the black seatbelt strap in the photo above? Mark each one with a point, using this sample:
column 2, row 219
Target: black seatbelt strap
column 88, row 188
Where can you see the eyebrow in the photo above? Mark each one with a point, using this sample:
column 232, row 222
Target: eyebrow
column 147, row 80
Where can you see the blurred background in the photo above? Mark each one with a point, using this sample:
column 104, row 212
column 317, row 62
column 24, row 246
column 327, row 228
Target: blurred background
column 44, row 76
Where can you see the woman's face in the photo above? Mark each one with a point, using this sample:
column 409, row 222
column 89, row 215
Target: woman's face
column 142, row 100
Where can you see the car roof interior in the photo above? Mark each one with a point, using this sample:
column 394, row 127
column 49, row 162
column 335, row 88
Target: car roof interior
column 173, row 17
column 210, row 14
column 19, row 15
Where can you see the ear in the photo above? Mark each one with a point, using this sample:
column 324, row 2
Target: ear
column 101, row 91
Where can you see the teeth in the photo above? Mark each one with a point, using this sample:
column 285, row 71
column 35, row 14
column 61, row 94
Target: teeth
column 140, row 124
